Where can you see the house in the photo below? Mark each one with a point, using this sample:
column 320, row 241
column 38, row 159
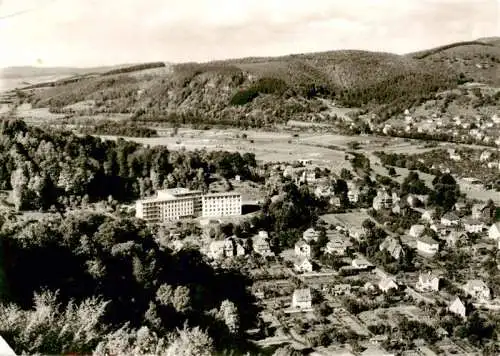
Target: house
column 324, row 191
column 303, row 265
column 485, row 156
column 335, row 201
column 383, row 200
column 337, row 246
column 417, row 230
column 494, row 231
column 460, row 206
column 341, row 289
column 386, row 284
column 456, row 238
column 310, row 235
column 473, row 226
column 477, row 289
column 482, row 211
column 361, row 263
column 357, row 233
column 302, row 249
column 308, row 176
column 217, row 249
column 427, row 283
column 441, row 230
column 428, row 215
column 427, row 245
column 302, row 299
column 457, row 307
column 353, row 191
column 391, row 245
column 261, row 245
column 450, row 219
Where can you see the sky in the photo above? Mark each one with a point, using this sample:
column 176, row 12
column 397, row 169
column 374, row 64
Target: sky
column 104, row 32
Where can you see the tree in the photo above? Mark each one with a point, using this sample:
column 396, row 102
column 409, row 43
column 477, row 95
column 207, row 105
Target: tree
column 229, row 313
column 391, row 171
column 446, row 191
column 191, row 342
column 345, row 174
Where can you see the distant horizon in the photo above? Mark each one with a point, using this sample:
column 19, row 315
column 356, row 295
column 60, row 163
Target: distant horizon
column 92, row 33
column 68, row 66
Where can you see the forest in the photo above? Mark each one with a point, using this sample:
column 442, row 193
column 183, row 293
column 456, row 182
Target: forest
column 88, row 283
column 57, row 169
column 122, row 129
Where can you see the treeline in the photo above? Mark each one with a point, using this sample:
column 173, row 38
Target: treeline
column 135, row 68
column 59, row 168
column 94, row 283
column 119, row 129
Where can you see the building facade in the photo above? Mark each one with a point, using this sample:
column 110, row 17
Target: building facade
column 179, row 203
column 221, row 204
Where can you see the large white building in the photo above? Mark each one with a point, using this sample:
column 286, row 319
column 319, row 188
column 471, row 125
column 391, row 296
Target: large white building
column 221, row 204
column 178, row 203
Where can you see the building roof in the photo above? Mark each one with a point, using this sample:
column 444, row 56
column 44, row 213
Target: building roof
column 475, row 284
column 302, row 294
column 451, row 216
column 387, row 283
column 301, row 243
column 428, row 240
column 220, row 194
column 427, row 277
column 472, row 222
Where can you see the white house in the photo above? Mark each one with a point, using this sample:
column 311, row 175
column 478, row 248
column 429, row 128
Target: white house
column 383, row 200
column 456, row 238
column 353, row 195
column 427, row 282
column 457, row 307
column 391, row 245
column 485, row 156
column 450, row 219
column 310, row 235
column 473, row 226
column 337, row 246
column 303, row 265
column 417, row 230
column 477, row 289
column 261, row 245
column 386, row 284
column 494, row 231
column 428, row 215
column 427, row 244
column 361, row 263
column 302, row 249
column 302, row 299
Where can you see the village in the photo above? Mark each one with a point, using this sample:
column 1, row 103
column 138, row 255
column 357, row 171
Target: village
column 383, row 271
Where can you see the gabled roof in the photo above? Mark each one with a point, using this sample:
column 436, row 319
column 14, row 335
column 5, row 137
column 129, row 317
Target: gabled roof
column 427, row 239
column 451, row 216
column 301, row 243
column 475, row 284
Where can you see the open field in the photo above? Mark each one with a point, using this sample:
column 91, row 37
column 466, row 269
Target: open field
column 266, row 145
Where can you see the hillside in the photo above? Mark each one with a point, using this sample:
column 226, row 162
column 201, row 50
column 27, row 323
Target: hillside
column 477, row 61
column 265, row 91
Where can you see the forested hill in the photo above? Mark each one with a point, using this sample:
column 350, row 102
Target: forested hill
column 263, row 91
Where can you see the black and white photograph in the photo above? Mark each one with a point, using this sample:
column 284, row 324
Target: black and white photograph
column 250, row 177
